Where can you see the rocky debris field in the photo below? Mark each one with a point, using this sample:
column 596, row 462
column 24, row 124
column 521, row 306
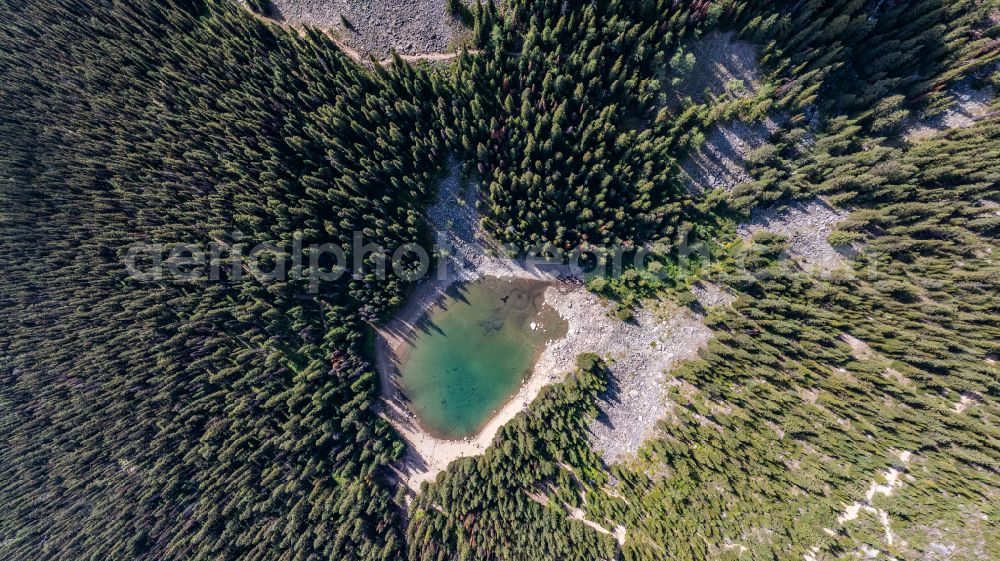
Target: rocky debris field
column 720, row 59
column 720, row 163
column 970, row 105
column 641, row 354
column 723, row 64
column 807, row 224
column 376, row 27
column 711, row 295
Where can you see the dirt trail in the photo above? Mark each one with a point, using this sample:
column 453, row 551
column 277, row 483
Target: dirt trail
column 620, row 533
column 853, row 510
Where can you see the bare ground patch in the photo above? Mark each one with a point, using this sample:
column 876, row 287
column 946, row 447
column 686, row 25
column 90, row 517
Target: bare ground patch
column 860, row 349
column 966, row 400
column 711, row 295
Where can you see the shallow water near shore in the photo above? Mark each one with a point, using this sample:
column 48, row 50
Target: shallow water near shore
column 471, row 352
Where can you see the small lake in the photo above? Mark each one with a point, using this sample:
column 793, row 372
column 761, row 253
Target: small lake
column 471, row 353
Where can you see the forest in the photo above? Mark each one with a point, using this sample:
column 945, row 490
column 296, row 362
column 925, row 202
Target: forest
column 236, row 419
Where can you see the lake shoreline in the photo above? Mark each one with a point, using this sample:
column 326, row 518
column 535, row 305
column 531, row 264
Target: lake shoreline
column 454, row 217
column 469, row 350
column 640, row 353
column 428, row 454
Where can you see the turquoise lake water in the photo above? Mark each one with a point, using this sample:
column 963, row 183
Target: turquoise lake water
column 470, row 354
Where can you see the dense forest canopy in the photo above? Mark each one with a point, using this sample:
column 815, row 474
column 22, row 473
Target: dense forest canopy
column 235, row 418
